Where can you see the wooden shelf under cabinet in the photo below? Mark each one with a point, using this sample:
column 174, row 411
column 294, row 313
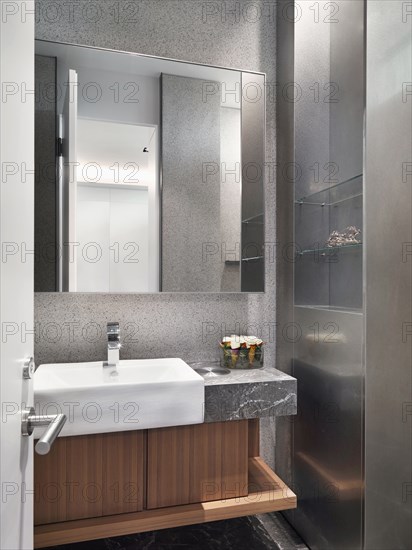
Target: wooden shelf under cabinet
column 217, row 463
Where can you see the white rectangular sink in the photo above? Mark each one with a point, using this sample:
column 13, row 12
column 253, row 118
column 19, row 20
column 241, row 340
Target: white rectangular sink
column 135, row 395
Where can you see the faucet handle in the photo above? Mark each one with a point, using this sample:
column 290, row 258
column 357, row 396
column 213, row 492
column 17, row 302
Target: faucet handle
column 113, row 335
column 113, row 328
column 113, row 344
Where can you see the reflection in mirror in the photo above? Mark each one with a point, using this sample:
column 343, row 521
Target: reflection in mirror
column 149, row 174
column 109, row 212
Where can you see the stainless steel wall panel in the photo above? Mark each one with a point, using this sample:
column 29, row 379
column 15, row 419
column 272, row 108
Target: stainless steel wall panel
column 388, row 278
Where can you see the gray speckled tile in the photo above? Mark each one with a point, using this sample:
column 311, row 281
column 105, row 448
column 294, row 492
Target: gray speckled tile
column 185, row 30
column 191, row 126
column 72, row 327
column 69, row 327
column 179, row 29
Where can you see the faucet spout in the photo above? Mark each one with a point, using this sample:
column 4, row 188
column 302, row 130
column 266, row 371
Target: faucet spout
column 113, row 345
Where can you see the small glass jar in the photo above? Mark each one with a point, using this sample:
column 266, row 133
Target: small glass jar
column 242, row 358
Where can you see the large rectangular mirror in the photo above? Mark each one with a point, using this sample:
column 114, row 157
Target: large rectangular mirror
column 149, row 174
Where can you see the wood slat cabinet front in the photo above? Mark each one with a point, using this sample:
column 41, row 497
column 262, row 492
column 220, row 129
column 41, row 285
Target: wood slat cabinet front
column 198, row 463
column 90, row 476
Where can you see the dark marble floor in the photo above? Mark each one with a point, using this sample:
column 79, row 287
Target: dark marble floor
column 246, row 533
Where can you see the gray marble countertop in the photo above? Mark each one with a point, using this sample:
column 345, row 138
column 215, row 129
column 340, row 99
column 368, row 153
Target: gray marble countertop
column 253, row 393
column 251, row 376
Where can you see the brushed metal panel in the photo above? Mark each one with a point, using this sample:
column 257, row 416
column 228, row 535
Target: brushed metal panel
column 327, row 457
column 388, row 282
column 327, row 443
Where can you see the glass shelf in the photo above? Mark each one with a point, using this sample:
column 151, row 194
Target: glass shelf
column 329, row 250
column 252, row 259
column 335, row 194
column 340, row 309
column 256, row 220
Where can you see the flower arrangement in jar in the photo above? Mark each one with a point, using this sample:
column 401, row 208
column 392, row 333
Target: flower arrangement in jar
column 241, row 352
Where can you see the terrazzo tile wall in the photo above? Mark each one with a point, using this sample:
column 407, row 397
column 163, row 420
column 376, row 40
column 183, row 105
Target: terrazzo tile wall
column 236, row 34
column 183, row 151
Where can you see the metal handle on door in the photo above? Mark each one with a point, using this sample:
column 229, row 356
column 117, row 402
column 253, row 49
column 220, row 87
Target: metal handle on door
column 54, row 423
column 29, row 368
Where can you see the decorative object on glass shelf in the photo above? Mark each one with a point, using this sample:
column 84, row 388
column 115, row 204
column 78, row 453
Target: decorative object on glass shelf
column 242, row 352
column 348, row 237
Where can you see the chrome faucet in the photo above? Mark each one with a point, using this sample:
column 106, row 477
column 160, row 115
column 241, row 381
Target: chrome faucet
column 113, row 345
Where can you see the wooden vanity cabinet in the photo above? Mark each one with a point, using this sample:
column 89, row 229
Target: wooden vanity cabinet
column 103, row 485
column 103, row 474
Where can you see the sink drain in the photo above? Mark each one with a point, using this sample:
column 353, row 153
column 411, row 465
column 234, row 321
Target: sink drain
column 209, row 370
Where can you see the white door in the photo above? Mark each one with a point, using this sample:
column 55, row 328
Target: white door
column 16, row 268
column 69, row 191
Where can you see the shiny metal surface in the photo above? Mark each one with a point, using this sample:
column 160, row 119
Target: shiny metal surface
column 252, row 276
column 209, row 369
column 54, row 423
column 29, row 368
column 113, row 345
column 46, row 441
column 327, row 450
column 327, row 447
column 285, row 112
column 388, row 281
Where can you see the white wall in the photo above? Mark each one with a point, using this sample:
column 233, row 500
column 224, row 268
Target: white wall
column 112, row 152
column 126, row 97
column 16, row 270
column 111, row 95
column 101, row 146
column 113, row 236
